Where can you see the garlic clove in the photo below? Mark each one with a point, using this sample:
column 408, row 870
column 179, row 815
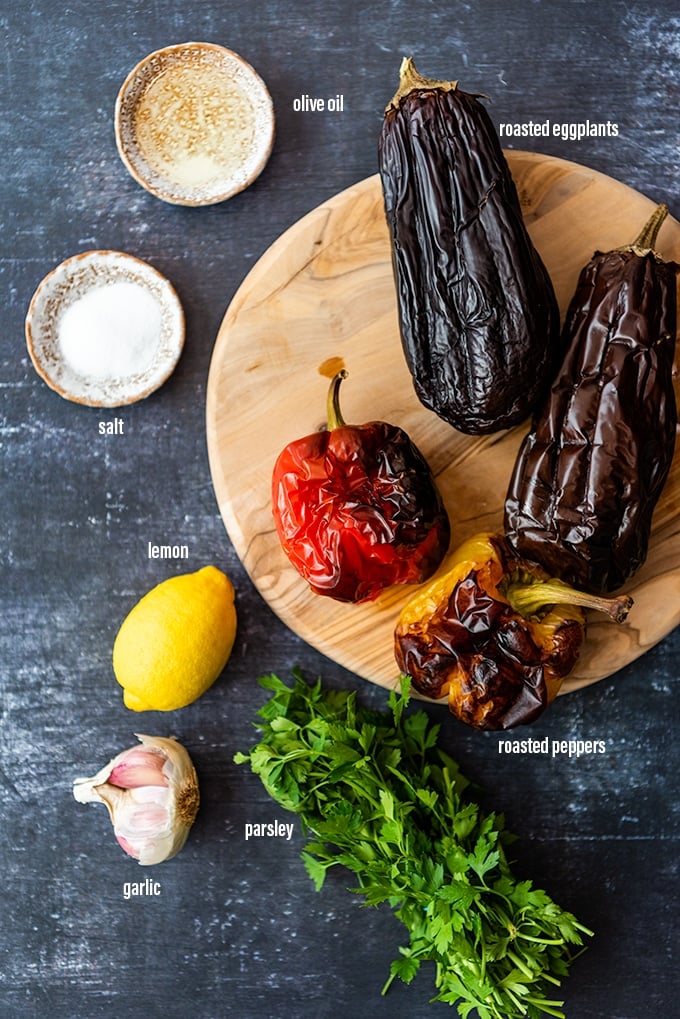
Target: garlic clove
column 145, row 831
column 139, row 767
column 151, row 793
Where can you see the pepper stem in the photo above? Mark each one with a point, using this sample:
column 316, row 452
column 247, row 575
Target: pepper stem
column 410, row 80
column 333, row 413
column 529, row 598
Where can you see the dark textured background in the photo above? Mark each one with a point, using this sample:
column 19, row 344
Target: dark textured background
column 238, row 930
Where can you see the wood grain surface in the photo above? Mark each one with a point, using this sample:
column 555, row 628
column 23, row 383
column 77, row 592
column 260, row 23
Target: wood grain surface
column 324, row 291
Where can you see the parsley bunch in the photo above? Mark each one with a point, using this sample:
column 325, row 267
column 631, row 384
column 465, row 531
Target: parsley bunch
column 376, row 795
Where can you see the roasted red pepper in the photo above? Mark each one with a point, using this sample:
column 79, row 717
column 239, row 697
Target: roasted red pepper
column 357, row 508
column 495, row 633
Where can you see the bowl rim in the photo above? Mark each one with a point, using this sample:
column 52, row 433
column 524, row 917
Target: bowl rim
column 104, row 255
column 176, row 198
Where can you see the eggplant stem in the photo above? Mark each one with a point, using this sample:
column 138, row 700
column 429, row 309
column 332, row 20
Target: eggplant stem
column 646, row 239
column 333, row 412
column 647, row 236
column 528, row 599
column 410, row 79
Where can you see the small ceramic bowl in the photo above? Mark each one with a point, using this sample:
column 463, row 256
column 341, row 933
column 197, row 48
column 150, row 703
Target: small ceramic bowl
column 194, row 123
column 104, row 329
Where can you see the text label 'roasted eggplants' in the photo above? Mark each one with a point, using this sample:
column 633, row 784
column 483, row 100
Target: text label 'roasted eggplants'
column 478, row 316
column 590, row 472
column 495, row 633
column 357, row 509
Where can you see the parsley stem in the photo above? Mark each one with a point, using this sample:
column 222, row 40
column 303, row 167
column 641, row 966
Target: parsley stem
column 551, row 979
column 520, row 964
column 539, row 941
column 548, row 1007
column 515, row 1000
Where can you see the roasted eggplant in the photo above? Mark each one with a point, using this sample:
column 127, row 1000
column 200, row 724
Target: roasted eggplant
column 478, row 316
column 589, row 473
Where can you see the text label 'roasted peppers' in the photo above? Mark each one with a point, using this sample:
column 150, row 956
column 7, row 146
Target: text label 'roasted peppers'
column 591, row 470
column 495, row 634
column 478, row 315
column 357, row 508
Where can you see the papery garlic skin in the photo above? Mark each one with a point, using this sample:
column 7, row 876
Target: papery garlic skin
column 151, row 793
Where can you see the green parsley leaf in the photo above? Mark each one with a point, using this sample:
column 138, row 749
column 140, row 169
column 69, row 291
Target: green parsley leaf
column 375, row 794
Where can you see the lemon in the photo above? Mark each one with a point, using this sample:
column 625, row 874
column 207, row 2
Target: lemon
column 175, row 641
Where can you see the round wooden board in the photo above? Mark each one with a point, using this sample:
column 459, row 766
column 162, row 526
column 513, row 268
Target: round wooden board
column 325, row 291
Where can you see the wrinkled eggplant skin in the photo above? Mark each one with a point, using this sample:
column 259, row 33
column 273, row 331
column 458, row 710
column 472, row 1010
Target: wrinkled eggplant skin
column 590, row 472
column 478, row 316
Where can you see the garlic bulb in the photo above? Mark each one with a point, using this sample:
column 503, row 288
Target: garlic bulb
column 151, row 793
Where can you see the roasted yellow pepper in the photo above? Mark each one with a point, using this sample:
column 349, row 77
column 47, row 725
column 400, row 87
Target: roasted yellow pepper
column 495, row 633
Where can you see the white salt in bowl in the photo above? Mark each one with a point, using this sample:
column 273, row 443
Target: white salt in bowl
column 194, row 123
column 105, row 329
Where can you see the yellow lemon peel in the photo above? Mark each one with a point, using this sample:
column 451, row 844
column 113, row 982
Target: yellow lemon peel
column 176, row 641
